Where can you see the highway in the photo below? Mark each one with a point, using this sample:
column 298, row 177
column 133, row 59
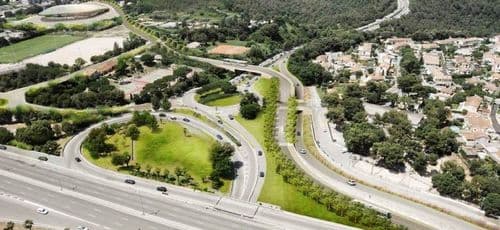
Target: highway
column 105, row 204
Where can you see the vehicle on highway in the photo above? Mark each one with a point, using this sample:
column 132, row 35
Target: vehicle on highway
column 173, row 118
column 77, row 159
column 185, row 120
column 162, row 115
column 129, row 181
column 351, row 182
column 82, row 228
column 219, row 121
column 303, row 151
column 161, row 189
column 298, row 133
column 231, row 117
column 259, row 152
column 3, row 147
column 219, row 137
column 43, row 158
column 42, row 211
column 261, row 174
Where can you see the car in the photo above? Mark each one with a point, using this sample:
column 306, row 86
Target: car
column 173, row 118
column 162, row 115
column 259, row 153
column 261, row 174
column 185, row 120
column 43, row 158
column 161, row 189
column 351, row 182
column 3, row 147
column 77, row 159
column 298, row 133
column 231, row 117
column 219, row 121
column 303, row 151
column 82, row 228
column 219, row 137
column 130, row 181
column 42, row 211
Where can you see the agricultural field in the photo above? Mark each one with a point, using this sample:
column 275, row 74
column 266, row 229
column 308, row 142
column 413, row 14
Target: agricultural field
column 32, row 47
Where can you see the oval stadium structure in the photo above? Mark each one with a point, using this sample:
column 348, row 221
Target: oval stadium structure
column 73, row 11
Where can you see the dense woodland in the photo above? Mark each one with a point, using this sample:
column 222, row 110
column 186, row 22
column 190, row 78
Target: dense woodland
column 323, row 13
column 32, row 74
column 430, row 19
column 80, row 92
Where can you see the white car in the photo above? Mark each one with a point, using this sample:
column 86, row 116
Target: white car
column 303, row 151
column 351, row 182
column 82, row 228
column 42, row 211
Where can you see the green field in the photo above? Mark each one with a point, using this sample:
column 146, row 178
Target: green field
column 3, row 102
column 275, row 190
column 167, row 148
column 226, row 101
column 32, row 47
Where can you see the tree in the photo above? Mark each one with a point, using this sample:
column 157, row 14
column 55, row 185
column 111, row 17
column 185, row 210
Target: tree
column 133, row 132
column 407, row 82
column 249, row 98
column 28, row 224
column 5, row 135
column 391, row 155
column 10, row 226
column 491, row 204
column 148, row 59
column 165, row 104
column 360, row 137
column 38, row 133
column 120, row 159
column 448, row 185
column 352, row 106
column 96, row 142
column 250, row 111
column 5, row 116
column 79, row 63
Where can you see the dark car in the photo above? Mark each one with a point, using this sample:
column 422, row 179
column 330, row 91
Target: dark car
column 259, row 153
column 231, row 117
column 173, row 118
column 298, row 133
column 130, row 181
column 261, row 174
column 77, row 159
column 161, row 189
column 43, row 158
column 219, row 121
column 219, row 137
column 162, row 115
column 3, row 147
column 185, row 119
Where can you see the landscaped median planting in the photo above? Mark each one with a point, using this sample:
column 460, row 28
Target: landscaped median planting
column 291, row 120
column 288, row 187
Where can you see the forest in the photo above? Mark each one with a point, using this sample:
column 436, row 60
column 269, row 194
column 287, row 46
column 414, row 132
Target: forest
column 441, row 19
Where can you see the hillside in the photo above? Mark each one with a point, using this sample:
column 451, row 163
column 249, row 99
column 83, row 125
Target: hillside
column 322, row 13
column 430, row 19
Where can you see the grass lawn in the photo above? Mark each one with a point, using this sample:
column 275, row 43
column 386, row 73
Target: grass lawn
column 263, row 85
column 167, row 148
column 226, row 101
column 35, row 46
column 275, row 190
column 3, row 102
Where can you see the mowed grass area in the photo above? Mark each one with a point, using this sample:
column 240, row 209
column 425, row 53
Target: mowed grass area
column 166, row 148
column 226, row 101
column 275, row 190
column 3, row 102
column 35, row 46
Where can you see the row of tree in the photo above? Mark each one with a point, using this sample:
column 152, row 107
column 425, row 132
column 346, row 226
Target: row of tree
column 222, row 165
column 32, row 74
column 343, row 206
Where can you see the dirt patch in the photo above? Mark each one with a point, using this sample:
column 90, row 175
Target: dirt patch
column 229, row 50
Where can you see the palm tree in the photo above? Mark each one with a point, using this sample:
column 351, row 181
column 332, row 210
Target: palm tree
column 133, row 132
column 28, row 224
column 178, row 172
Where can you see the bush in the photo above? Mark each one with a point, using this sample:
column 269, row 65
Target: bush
column 250, row 111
